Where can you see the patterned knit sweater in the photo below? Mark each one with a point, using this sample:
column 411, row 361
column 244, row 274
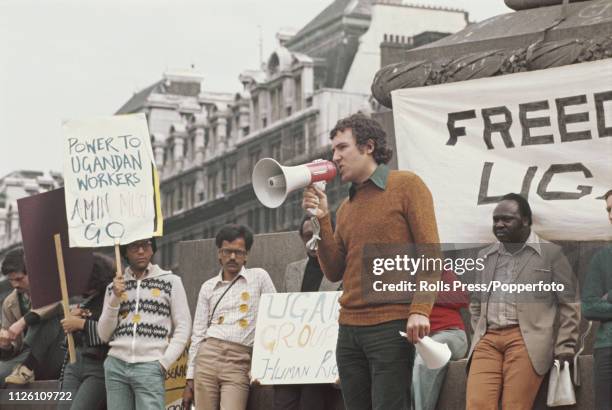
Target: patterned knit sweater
column 150, row 322
column 402, row 212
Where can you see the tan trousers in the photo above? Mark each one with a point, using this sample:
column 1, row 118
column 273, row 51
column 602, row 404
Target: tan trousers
column 221, row 375
column 501, row 366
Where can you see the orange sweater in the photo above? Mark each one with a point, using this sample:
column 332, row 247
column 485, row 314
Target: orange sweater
column 401, row 213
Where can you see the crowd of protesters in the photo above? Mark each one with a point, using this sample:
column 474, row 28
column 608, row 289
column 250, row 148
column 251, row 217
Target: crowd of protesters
column 130, row 328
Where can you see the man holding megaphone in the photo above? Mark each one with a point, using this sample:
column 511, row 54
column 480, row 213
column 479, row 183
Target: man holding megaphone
column 383, row 207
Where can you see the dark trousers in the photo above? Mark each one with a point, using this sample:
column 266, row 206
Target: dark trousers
column 603, row 377
column 304, row 396
column 43, row 341
column 375, row 366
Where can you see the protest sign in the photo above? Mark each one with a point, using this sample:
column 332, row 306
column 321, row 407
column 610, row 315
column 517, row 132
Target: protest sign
column 41, row 216
column 295, row 338
column 112, row 189
column 544, row 134
column 175, row 381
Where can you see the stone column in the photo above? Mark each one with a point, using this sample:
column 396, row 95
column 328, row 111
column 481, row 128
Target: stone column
column 158, row 153
column 244, row 120
column 179, row 143
column 199, row 146
column 221, row 135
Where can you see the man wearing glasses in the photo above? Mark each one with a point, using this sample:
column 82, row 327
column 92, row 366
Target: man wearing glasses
column 146, row 318
column 224, row 326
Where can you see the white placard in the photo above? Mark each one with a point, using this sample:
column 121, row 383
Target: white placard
column 546, row 134
column 295, row 338
column 108, row 180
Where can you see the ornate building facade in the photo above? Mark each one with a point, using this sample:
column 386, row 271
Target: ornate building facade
column 14, row 186
column 206, row 144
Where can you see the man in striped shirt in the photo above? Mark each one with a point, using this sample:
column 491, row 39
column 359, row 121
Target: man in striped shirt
column 224, row 326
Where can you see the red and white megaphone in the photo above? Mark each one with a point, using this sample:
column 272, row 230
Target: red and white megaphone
column 272, row 182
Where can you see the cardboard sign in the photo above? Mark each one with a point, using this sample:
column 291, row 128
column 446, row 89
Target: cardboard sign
column 41, row 216
column 295, row 338
column 175, row 381
column 112, row 189
column 545, row 134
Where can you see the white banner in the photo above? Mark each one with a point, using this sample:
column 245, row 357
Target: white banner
column 295, row 338
column 110, row 181
column 545, row 134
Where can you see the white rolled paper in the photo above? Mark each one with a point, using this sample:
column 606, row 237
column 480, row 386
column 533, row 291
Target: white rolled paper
column 434, row 354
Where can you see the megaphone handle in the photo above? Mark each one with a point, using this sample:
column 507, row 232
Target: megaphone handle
column 321, row 185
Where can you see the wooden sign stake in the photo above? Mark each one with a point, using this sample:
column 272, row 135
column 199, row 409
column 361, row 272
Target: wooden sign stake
column 119, row 272
column 64, row 289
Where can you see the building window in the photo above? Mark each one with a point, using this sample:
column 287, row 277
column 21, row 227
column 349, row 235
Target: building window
column 179, row 199
column 274, row 109
column 312, row 135
column 299, row 147
column 171, row 202
column 256, row 113
column 275, row 150
column 224, row 180
column 212, row 186
column 191, row 195
column 298, row 93
column 232, row 177
column 254, row 156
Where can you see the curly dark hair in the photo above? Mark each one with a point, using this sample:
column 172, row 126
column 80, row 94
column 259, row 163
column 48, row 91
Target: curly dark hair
column 366, row 129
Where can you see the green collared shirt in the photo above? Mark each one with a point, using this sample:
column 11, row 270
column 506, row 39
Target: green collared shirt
column 378, row 178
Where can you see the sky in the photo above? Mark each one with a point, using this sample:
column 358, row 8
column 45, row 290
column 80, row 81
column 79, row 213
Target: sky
column 63, row 59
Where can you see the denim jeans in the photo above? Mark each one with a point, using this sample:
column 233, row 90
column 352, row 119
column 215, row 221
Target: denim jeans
column 426, row 383
column 375, row 366
column 134, row 386
column 85, row 379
